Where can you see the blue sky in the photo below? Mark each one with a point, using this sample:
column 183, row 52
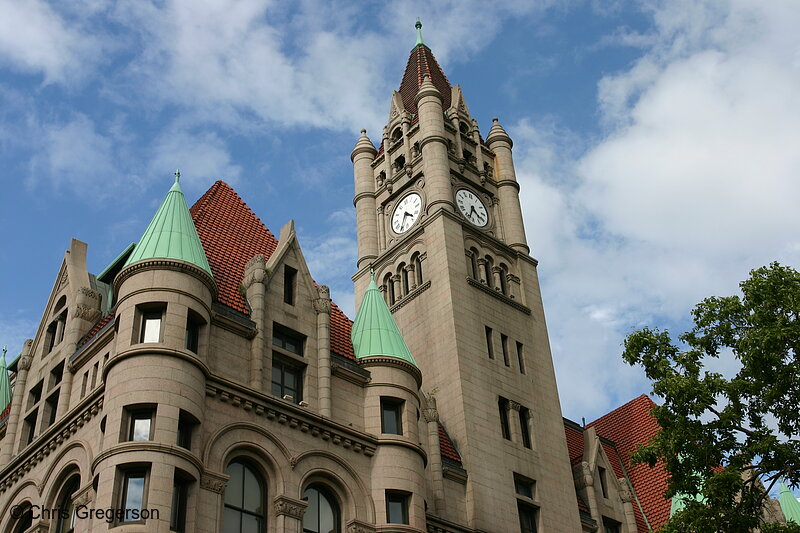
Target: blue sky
column 656, row 143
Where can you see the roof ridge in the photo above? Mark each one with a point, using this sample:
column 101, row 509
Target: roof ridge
column 621, row 408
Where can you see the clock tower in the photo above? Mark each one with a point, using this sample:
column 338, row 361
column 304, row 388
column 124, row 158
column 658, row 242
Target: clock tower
column 439, row 222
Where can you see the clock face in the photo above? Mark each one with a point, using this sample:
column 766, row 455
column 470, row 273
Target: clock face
column 406, row 213
column 472, row 208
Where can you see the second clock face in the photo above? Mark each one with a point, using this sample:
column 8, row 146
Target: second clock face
column 472, row 208
column 406, row 213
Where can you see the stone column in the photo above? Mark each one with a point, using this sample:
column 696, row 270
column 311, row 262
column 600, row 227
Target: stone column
column 387, row 163
column 498, row 218
column 9, row 441
column 496, row 273
column 412, row 276
column 507, row 187
column 398, row 294
column 476, row 136
column 482, row 271
column 381, row 230
column 86, row 313
column 513, row 421
column 627, row 503
column 322, row 306
column 210, row 499
column 289, row 513
column 433, row 144
column 255, row 273
column 452, row 114
column 431, row 415
column 584, row 479
column 406, row 122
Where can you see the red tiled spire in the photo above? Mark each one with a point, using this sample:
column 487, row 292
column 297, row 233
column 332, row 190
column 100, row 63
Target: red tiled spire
column 231, row 235
column 421, row 63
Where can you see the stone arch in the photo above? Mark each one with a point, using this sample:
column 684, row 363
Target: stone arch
column 317, row 466
column 29, row 492
column 75, row 454
column 238, row 439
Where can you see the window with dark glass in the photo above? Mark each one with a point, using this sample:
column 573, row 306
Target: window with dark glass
column 524, row 486
column 25, row 521
column 30, row 426
column 489, row 342
column 132, row 498
column 527, row 517
column 193, row 324
column 322, row 513
column 287, row 379
column 140, row 423
column 244, row 500
column 180, row 491
column 287, row 340
column 504, row 344
column 186, row 425
column 66, row 516
column 520, row 358
column 289, row 284
column 35, row 394
column 524, row 424
column 601, row 473
column 56, row 375
column 50, row 407
column 392, row 416
column 502, row 405
column 611, row 526
column 396, row 507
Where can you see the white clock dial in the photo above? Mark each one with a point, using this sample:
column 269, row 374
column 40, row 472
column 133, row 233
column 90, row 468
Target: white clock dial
column 406, row 213
column 472, row 208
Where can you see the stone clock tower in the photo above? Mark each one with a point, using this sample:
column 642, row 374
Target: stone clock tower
column 440, row 223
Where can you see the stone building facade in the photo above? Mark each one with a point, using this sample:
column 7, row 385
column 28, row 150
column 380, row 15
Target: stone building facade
column 204, row 382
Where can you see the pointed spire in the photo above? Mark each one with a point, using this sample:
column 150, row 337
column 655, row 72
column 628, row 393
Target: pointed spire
column 5, row 384
column 497, row 133
column 363, row 145
column 375, row 332
column 789, row 505
column 171, row 234
column 418, row 25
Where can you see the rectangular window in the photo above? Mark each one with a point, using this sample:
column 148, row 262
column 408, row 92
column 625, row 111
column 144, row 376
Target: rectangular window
column 392, row 416
column 524, row 424
column 50, row 337
column 287, row 379
column 151, row 327
column 289, row 284
column 186, row 425
column 192, row 334
column 35, row 394
column 287, row 340
column 132, row 494
column 30, row 427
column 140, row 423
column 520, row 358
column 50, row 407
column 502, row 405
column 177, row 517
column 396, row 507
column 56, row 375
column 524, row 486
column 601, row 473
column 527, row 517
column 504, row 343
column 610, row 526
column 84, row 382
column 489, row 342
column 94, row 374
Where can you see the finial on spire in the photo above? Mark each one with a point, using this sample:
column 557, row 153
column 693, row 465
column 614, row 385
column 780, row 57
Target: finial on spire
column 418, row 25
column 177, row 176
column 5, row 349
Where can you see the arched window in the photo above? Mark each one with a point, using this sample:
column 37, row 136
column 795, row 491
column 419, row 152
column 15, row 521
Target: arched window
column 417, row 267
column 389, row 284
column 25, row 520
column 322, row 513
column 473, row 257
column 487, row 271
column 244, row 500
column 403, row 272
column 396, row 134
column 503, row 280
column 66, row 517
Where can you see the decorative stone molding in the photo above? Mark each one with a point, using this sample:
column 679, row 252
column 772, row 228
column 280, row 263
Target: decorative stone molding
column 84, row 496
column 625, row 491
column 499, row 296
column 357, row 526
column 411, row 295
column 213, row 482
column 514, row 406
column 323, row 303
column 583, row 476
column 87, row 305
column 431, row 414
column 24, row 363
column 292, row 416
column 166, row 264
column 395, row 362
column 255, row 271
column 63, row 281
column 290, row 507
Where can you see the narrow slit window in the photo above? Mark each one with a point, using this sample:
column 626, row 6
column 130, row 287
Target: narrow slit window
column 504, row 343
column 521, row 357
column 489, row 342
column 289, row 284
column 505, row 428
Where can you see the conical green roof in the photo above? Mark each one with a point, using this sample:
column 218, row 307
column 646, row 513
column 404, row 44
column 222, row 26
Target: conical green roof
column 789, row 505
column 5, row 384
column 375, row 332
column 171, row 234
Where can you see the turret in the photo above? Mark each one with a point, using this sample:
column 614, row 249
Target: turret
column 391, row 405
column 507, row 187
column 155, row 379
column 433, row 144
column 364, row 201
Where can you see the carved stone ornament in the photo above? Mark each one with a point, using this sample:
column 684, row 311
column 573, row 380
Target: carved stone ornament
column 86, row 313
column 624, row 491
column 356, row 526
column 84, row 497
column 323, row 303
column 24, row 363
column 213, row 482
column 290, row 507
column 514, row 405
column 255, row 270
column 63, row 281
column 431, row 414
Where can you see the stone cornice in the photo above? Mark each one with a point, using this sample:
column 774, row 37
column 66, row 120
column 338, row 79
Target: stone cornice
column 411, row 295
column 51, row 439
column 395, row 362
column 500, row 296
column 155, row 349
column 290, row 507
column 290, row 415
column 166, row 264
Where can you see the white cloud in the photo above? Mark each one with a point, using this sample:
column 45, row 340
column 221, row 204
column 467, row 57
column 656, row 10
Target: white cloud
column 35, row 38
column 694, row 184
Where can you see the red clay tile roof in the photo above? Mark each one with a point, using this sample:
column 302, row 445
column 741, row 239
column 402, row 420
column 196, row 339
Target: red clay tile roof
column 420, row 63
column 97, row 327
column 627, row 426
column 574, row 444
column 446, row 445
column 231, row 235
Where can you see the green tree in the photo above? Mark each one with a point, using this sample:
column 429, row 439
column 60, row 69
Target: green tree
column 721, row 437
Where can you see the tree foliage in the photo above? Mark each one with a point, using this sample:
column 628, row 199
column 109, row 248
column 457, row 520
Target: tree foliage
column 722, row 437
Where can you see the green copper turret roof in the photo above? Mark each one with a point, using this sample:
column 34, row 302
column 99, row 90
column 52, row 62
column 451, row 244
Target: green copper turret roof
column 418, row 25
column 171, row 234
column 5, row 383
column 789, row 505
column 375, row 332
